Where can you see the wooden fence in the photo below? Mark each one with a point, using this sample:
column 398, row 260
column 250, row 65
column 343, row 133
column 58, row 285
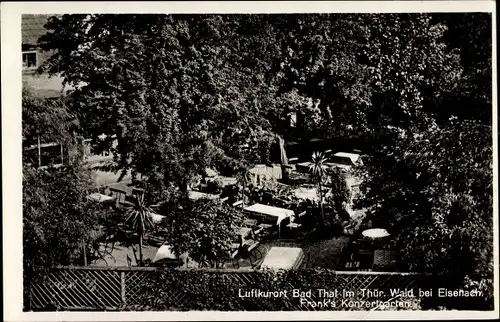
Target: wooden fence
column 130, row 288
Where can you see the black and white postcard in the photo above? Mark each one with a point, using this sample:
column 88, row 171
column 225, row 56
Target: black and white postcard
column 254, row 160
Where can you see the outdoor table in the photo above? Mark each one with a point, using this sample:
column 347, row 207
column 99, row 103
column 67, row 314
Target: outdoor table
column 375, row 233
column 99, row 197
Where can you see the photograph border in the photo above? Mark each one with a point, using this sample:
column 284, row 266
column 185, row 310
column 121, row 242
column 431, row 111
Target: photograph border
column 11, row 145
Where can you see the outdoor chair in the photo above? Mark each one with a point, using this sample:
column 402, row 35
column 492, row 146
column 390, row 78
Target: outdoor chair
column 258, row 231
column 352, row 265
column 137, row 192
column 303, row 213
column 234, row 256
column 252, row 248
column 120, row 196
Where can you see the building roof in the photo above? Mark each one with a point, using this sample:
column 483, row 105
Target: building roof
column 33, row 27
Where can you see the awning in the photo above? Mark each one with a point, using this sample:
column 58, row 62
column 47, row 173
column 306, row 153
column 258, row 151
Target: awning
column 276, row 213
column 283, row 258
column 353, row 156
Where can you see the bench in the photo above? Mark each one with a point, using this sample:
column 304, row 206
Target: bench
column 352, row 264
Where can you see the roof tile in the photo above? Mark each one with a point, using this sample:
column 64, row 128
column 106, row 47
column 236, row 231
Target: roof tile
column 32, row 28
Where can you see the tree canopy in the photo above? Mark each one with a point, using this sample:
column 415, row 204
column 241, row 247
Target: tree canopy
column 205, row 230
column 175, row 106
column 58, row 219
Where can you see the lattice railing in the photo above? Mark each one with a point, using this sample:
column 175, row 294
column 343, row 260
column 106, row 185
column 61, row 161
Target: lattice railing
column 86, row 288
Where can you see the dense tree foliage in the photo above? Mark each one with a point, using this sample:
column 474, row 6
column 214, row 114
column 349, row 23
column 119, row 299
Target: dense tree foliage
column 471, row 33
column 437, row 201
column 340, row 193
column 176, row 106
column 48, row 120
column 58, row 219
column 205, row 230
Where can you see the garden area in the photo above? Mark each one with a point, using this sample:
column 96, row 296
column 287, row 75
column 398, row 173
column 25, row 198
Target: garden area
column 319, row 224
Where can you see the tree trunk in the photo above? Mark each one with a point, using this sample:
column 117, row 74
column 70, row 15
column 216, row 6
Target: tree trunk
column 243, row 195
column 140, row 250
column 135, row 254
column 285, row 175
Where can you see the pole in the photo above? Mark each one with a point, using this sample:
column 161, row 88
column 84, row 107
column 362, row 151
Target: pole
column 122, row 287
column 39, row 153
column 84, row 255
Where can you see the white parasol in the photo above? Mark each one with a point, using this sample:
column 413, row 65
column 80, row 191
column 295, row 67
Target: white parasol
column 165, row 252
column 375, row 233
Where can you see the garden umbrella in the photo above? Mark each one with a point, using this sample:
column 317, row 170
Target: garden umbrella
column 284, row 159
